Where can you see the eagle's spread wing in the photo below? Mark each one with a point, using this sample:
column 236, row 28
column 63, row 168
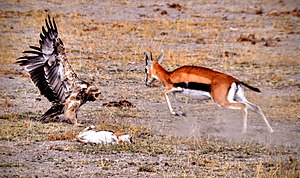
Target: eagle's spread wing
column 45, row 64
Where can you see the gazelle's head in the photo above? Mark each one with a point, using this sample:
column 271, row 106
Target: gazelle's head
column 150, row 69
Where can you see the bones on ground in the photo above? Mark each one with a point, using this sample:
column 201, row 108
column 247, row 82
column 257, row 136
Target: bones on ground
column 102, row 137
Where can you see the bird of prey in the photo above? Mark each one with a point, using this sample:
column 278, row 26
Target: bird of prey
column 51, row 72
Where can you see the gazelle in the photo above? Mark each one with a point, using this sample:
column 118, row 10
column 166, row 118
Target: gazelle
column 205, row 83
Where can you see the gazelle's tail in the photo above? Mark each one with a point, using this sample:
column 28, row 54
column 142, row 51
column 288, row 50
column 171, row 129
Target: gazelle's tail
column 250, row 87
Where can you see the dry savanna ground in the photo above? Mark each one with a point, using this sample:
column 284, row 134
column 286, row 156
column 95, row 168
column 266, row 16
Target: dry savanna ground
column 257, row 41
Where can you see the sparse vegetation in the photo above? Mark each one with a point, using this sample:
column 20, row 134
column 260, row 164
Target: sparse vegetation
column 105, row 42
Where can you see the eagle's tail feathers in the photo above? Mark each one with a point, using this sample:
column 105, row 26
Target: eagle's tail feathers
column 54, row 111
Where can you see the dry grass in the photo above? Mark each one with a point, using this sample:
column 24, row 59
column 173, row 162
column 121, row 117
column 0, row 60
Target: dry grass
column 210, row 155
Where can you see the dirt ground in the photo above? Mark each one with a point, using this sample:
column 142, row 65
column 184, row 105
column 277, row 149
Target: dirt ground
column 257, row 42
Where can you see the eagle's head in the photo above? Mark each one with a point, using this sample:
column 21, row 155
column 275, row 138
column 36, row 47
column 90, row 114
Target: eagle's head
column 92, row 93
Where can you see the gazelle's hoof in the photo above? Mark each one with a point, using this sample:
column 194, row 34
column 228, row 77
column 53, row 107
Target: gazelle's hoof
column 178, row 113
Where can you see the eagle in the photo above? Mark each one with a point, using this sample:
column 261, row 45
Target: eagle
column 53, row 75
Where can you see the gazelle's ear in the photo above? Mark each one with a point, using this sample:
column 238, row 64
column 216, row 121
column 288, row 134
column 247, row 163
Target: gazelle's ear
column 148, row 59
column 160, row 57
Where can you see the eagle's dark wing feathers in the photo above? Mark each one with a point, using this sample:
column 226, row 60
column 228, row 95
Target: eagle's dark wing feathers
column 48, row 39
column 45, row 64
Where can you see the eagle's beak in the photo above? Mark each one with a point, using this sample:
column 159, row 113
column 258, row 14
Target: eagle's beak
column 97, row 95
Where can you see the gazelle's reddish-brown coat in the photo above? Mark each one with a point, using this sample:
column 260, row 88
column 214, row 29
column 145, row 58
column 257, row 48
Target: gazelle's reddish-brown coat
column 224, row 89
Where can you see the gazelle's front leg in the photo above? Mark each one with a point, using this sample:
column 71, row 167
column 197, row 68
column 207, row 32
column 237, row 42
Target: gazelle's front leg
column 170, row 89
column 176, row 102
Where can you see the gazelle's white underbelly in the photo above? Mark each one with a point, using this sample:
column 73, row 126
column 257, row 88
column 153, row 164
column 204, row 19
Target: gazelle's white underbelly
column 202, row 95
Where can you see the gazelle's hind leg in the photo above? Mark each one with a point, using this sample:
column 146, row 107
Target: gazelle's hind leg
column 257, row 109
column 239, row 106
column 240, row 97
column 226, row 99
column 245, row 116
column 243, row 108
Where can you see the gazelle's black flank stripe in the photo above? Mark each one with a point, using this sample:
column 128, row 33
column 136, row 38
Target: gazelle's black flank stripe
column 194, row 86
